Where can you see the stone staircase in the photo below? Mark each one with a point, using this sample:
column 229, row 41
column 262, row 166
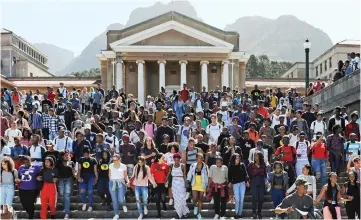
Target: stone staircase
column 103, row 212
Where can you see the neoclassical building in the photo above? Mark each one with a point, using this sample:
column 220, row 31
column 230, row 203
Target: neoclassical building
column 168, row 51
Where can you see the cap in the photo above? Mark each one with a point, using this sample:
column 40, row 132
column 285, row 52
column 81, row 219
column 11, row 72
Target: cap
column 316, row 104
column 235, row 117
column 302, row 133
column 301, row 182
column 281, row 116
column 49, row 143
column 62, row 129
column 187, row 118
column 87, row 126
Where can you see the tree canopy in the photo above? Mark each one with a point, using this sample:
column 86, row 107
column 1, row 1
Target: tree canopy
column 262, row 67
column 93, row 72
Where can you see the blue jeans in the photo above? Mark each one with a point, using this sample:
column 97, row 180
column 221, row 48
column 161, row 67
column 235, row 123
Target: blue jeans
column 319, row 167
column 87, row 188
column 141, row 191
column 64, row 191
column 334, row 162
column 7, row 192
column 118, row 196
column 52, row 135
column 277, row 196
column 103, row 189
column 239, row 190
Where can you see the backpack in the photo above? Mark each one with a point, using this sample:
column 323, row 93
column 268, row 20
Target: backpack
column 66, row 142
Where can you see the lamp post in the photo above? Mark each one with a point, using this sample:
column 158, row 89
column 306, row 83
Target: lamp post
column 307, row 46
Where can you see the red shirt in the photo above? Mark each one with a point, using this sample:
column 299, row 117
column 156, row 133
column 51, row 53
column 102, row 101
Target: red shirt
column 352, row 127
column 159, row 171
column 319, row 151
column 184, row 95
column 263, row 111
column 289, row 153
column 51, row 96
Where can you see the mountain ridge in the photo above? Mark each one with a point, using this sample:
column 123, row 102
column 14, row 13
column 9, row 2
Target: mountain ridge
column 280, row 39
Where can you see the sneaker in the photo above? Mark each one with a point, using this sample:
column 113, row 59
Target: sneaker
column 145, row 210
column 187, row 195
column 125, row 209
column 222, row 218
column 140, row 217
column 83, row 207
column 115, row 217
column 216, row 217
column 195, row 210
column 199, row 216
column 170, row 202
column 212, row 201
column 66, row 216
column 90, row 209
column 259, row 215
column 164, row 207
column 254, row 216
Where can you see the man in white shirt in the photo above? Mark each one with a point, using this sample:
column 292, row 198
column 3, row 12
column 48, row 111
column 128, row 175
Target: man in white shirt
column 36, row 151
column 184, row 133
column 62, row 91
column 213, row 130
column 318, row 126
column 225, row 115
column 12, row 132
column 111, row 139
column 302, row 148
column 62, row 142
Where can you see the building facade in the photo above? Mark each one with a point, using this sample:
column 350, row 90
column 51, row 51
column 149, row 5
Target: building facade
column 168, row 51
column 20, row 59
column 324, row 65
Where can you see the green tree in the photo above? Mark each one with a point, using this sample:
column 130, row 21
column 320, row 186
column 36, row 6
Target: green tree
column 93, row 72
column 252, row 66
column 261, row 66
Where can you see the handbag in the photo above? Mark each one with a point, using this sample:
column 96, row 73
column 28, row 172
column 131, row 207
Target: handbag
column 131, row 183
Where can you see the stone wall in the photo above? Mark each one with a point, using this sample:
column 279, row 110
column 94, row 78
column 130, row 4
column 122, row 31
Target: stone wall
column 345, row 92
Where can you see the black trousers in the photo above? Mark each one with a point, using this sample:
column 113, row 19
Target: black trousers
column 220, row 203
column 352, row 208
column 257, row 190
column 159, row 193
column 45, row 132
column 27, row 199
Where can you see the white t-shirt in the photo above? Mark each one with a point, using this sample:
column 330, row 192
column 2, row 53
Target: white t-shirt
column 317, row 126
column 275, row 120
column 293, row 139
column 35, row 152
column 302, row 149
column 169, row 158
column 112, row 141
column 184, row 135
column 199, row 107
column 10, row 133
column 213, row 131
column 338, row 122
column 5, row 151
column 117, row 173
column 65, row 143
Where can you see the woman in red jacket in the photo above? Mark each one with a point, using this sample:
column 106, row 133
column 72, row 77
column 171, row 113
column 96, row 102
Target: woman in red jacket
column 159, row 170
column 319, row 158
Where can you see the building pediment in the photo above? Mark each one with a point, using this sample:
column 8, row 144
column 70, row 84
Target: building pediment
column 189, row 39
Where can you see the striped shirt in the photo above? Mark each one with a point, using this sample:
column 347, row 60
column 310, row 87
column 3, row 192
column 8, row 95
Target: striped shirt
column 36, row 120
column 46, row 120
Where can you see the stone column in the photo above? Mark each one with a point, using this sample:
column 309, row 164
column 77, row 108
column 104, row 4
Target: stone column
column 204, row 73
column 140, row 81
column 109, row 76
column 183, row 64
column 104, row 71
column 161, row 74
column 119, row 83
column 225, row 73
column 242, row 75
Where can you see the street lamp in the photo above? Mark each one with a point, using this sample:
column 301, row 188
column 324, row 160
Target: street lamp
column 307, row 46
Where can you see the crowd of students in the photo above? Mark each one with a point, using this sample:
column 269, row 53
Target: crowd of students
column 191, row 146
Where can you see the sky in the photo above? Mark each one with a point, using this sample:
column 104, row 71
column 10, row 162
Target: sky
column 73, row 24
